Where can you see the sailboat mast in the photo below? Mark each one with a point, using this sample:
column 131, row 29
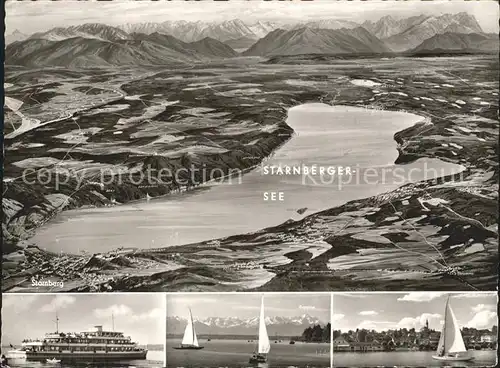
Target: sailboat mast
column 113, row 321
column 260, row 318
column 57, row 323
column 192, row 323
column 445, row 319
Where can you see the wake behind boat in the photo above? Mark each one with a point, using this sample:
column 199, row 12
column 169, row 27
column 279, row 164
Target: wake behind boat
column 451, row 345
column 189, row 340
column 264, row 345
column 53, row 361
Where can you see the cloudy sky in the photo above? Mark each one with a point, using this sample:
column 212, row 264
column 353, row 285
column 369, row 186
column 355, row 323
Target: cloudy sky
column 248, row 305
column 33, row 16
column 389, row 311
column 31, row 316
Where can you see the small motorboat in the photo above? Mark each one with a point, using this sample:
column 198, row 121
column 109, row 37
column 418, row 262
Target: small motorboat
column 53, row 361
column 16, row 354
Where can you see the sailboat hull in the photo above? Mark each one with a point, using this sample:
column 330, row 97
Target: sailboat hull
column 188, row 347
column 258, row 359
column 453, row 359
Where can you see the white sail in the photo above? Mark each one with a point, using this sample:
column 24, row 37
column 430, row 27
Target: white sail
column 264, row 343
column 440, row 348
column 451, row 341
column 189, row 333
column 195, row 338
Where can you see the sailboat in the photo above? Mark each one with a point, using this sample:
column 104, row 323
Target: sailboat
column 451, row 344
column 264, row 345
column 190, row 341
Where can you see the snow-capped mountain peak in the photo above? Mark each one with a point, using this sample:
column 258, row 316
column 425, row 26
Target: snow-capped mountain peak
column 98, row 31
column 226, row 322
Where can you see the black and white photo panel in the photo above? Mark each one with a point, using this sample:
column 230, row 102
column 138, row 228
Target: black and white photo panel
column 417, row 329
column 248, row 330
column 90, row 330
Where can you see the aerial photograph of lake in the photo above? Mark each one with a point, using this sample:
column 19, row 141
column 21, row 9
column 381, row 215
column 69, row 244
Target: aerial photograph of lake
column 251, row 146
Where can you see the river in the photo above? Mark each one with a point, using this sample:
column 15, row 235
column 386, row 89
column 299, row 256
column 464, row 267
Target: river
column 326, row 136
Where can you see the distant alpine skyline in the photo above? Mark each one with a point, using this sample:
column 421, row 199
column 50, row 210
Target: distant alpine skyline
column 30, row 17
column 248, row 305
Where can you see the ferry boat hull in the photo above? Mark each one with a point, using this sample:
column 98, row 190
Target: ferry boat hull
column 81, row 356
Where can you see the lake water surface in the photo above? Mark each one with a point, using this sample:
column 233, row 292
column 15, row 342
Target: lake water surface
column 154, row 359
column 236, row 353
column 326, row 136
column 482, row 358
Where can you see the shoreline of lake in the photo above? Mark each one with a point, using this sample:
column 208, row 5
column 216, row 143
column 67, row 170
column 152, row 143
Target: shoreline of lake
column 222, row 209
column 192, row 267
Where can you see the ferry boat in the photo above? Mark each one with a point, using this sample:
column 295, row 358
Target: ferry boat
column 90, row 346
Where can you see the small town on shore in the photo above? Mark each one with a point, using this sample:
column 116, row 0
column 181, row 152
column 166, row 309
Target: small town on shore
column 425, row 339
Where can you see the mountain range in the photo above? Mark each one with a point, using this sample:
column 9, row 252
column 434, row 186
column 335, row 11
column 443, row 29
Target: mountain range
column 139, row 49
column 416, row 30
column 283, row 326
column 459, row 42
column 96, row 31
column 195, row 31
column 94, row 44
column 15, row 36
column 317, row 41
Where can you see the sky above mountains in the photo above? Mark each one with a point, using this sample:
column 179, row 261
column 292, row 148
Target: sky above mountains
column 31, row 17
column 248, row 305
